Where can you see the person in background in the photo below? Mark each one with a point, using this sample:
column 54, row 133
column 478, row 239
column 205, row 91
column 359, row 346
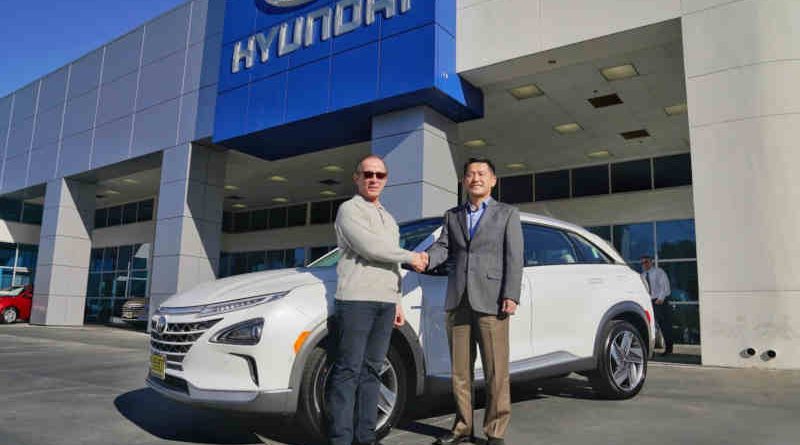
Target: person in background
column 658, row 286
column 366, row 307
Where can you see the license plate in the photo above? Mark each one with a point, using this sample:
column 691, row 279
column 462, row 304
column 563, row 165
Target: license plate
column 158, row 366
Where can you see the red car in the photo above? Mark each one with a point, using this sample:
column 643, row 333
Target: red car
column 15, row 303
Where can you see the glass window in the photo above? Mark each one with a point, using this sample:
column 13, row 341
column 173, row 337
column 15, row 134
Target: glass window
column 260, row 219
column 686, row 324
column 297, row 215
column 137, row 287
column 27, row 256
column 6, row 276
column 588, row 252
column 676, row 239
column 275, row 259
column 546, row 246
column 141, row 256
column 227, row 222
column 321, row 212
column 10, row 209
column 335, row 208
column 93, row 288
column 256, row 261
column 241, row 222
column 516, row 189
column 634, row 241
column 22, row 278
column 317, row 252
column 601, row 231
column 100, row 218
column 145, row 212
column 588, row 181
column 106, row 288
column 224, row 265
column 673, row 171
column 125, row 254
column 295, row 257
column 682, row 280
column 496, row 193
column 114, row 216
column 8, row 252
column 277, row 218
column 109, row 259
column 96, row 262
column 238, row 263
column 32, row 213
column 120, row 284
column 630, row 176
column 129, row 213
column 552, row 185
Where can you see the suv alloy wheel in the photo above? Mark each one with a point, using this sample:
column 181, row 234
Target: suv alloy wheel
column 391, row 399
column 622, row 364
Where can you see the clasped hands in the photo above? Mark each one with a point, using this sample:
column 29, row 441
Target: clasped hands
column 420, row 261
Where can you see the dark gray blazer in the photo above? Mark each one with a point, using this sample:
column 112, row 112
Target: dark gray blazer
column 488, row 267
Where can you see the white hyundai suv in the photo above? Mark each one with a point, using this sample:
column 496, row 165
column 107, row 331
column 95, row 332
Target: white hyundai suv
column 257, row 342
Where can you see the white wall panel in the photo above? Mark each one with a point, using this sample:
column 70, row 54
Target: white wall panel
column 166, row 34
column 117, row 98
column 85, row 73
column 54, row 89
column 112, row 142
column 122, row 55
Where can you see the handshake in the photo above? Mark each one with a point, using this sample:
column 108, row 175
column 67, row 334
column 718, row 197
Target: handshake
column 420, row 261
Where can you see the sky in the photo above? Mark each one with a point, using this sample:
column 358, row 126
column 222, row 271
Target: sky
column 37, row 37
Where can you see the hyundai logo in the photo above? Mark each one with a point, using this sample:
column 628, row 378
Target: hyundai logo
column 161, row 324
column 287, row 3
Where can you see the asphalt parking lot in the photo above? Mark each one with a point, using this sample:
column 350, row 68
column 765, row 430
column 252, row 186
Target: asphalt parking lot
column 85, row 386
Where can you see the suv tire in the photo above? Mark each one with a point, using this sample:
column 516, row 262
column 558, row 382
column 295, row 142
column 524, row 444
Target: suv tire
column 311, row 409
column 622, row 364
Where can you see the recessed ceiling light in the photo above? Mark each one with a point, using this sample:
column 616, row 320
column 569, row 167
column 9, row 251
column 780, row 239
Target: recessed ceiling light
column 329, row 182
column 619, row 72
column 516, row 166
column 332, row 168
column 327, row 193
column 111, row 192
column 676, row 109
column 571, row 127
column 130, row 181
column 526, row 92
column 475, row 143
column 231, row 187
column 599, row 154
column 280, row 200
column 635, row 134
column 239, row 206
column 277, row 178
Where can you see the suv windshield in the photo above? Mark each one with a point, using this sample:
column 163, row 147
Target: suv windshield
column 411, row 234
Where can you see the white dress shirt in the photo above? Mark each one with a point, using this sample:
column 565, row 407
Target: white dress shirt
column 657, row 282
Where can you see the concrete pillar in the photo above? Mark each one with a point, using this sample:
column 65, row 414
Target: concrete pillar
column 742, row 60
column 65, row 246
column 188, row 221
column 422, row 178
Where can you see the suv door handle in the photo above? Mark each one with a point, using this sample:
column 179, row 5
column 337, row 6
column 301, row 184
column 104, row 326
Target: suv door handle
column 596, row 281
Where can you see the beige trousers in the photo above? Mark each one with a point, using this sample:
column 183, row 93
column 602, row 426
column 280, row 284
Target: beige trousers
column 467, row 329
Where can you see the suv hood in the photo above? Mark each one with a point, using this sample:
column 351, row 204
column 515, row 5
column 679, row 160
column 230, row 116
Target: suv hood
column 250, row 285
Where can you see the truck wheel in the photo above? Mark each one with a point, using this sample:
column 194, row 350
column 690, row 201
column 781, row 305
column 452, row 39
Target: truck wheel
column 391, row 399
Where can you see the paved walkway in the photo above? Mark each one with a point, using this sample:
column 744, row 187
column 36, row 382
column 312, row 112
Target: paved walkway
column 85, row 386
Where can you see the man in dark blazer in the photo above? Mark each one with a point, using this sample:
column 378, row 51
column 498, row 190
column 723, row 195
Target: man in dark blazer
column 482, row 242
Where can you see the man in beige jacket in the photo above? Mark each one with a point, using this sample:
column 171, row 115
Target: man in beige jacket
column 367, row 305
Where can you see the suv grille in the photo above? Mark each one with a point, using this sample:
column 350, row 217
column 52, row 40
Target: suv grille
column 177, row 340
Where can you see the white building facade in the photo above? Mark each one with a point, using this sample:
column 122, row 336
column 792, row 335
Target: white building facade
column 220, row 137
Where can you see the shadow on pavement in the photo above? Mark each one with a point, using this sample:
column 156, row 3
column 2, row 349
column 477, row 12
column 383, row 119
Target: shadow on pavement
column 174, row 421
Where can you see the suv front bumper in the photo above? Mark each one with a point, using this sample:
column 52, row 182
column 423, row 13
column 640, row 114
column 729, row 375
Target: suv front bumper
column 280, row 401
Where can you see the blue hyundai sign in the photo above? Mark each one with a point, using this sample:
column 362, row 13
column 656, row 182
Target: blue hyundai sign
column 302, row 75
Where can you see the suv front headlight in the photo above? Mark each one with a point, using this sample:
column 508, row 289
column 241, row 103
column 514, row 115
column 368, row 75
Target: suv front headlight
column 243, row 303
column 244, row 333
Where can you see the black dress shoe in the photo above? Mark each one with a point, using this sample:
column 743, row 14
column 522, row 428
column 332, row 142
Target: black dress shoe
column 452, row 439
column 495, row 441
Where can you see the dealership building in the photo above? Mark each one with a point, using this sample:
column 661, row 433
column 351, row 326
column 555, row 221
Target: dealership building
column 220, row 138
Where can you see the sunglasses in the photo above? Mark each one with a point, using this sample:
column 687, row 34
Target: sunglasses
column 370, row 175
